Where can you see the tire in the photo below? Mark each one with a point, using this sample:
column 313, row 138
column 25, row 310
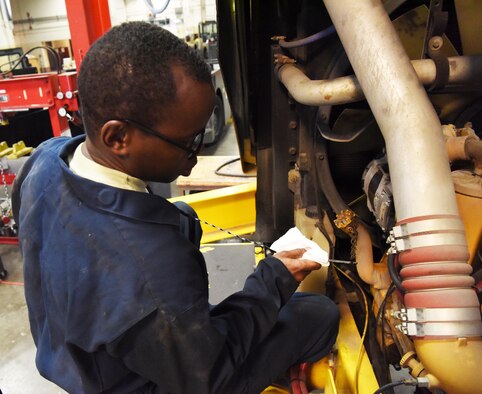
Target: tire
column 215, row 125
column 3, row 271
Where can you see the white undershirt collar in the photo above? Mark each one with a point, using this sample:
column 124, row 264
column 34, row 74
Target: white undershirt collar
column 85, row 167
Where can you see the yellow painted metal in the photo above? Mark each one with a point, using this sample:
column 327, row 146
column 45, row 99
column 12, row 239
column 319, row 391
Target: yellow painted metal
column 470, row 209
column 5, row 149
column 320, row 369
column 318, row 373
column 348, row 345
column 469, row 14
column 330, row 387
column 258, row 254
column 275, row 390
column 454, row 362
column 315, row 282
column 19, row 150
column 232, row 208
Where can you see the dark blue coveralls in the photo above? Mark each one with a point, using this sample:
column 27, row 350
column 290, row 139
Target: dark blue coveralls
column 118, row 295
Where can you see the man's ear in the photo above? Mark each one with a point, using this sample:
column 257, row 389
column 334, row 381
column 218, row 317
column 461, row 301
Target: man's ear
column 115, row 136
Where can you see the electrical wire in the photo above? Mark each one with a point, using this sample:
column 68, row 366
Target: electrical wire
column 407, row 382
column 381, row 315
column 19, row 61
column 358, row 199
column 365, row 328
column 217, row 172
column 393, row 273
column 308, row 40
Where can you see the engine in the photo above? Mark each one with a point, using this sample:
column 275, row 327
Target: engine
column 364, row 119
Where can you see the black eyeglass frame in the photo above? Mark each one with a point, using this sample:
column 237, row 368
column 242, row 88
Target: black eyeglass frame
column 191, row 149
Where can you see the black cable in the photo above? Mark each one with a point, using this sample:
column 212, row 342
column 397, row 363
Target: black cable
column 393, row 274
column 19, row 61
column 381, row 315
column 381, row 311
column 234, row 175
column 395, row 384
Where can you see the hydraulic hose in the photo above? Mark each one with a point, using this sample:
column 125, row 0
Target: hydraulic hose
column 308, row 40
column 393, row 273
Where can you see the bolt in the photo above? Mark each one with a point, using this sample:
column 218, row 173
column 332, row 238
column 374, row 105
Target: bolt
column 293, row 124
column 292, row 150
column 436, row 42
column 321, row 157
column 293, row 176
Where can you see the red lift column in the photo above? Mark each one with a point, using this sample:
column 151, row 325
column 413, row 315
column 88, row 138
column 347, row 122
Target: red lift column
column 88, row 20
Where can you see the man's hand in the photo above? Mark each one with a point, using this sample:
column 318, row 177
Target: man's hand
column 299, row 268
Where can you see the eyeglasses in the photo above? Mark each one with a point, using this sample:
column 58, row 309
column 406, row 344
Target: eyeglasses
column 192, row 149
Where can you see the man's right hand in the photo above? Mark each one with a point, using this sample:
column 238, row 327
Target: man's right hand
column 299, row 268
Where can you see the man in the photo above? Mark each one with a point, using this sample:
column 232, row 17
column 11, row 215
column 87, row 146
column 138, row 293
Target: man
column 116, row 287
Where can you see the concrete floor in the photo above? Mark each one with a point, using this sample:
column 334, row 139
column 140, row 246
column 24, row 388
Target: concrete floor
column 18, row 373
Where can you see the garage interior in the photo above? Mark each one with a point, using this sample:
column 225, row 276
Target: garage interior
column 359, row 123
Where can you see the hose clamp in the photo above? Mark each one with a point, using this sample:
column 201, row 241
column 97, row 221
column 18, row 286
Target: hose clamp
column 446, row 322
column 429, row 232
column 438, row 329
column 422, row 315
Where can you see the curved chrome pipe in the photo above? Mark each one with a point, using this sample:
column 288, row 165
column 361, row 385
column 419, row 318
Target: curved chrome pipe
column 342, row 90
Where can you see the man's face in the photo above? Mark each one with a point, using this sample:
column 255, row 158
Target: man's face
column 153, row 159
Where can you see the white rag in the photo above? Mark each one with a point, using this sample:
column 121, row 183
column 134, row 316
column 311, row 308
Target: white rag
column 294, row 239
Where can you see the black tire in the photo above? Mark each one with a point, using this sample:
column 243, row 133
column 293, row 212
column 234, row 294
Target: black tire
column 216, row 121
column 3, row 272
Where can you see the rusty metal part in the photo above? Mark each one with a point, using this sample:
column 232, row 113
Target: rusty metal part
column 283, row 59
column 345, row 221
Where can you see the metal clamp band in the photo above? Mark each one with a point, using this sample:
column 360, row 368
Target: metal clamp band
column 426, row 226
column 421, row 315
column 445, row 329
column 418, row 241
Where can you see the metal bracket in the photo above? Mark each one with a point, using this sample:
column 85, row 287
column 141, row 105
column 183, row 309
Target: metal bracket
column 433, row 43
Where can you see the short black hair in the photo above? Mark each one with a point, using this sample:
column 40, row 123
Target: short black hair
column 127, row 73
